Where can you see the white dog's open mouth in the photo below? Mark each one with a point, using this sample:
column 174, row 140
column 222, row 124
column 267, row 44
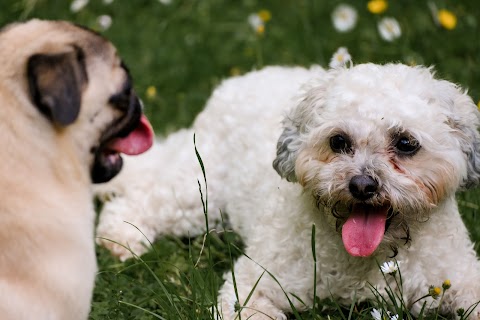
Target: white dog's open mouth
column 364, row 229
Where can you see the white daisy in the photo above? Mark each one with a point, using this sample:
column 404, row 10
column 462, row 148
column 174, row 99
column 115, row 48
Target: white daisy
column 389, row 267
column 104, row 21
column 434, row 11
column 344, row 18
column 255, row 21
column 389, row 29
column 377, row 315
column 340, row 58
column 78, row 5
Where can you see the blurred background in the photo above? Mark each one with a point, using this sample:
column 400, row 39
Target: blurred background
column 179, row 50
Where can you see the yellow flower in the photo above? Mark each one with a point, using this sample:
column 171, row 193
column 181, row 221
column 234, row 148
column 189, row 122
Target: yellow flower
column 260, row 29
column 265, row 15
column 478, row 104
column 446, row 284
column 377, row 6
column 235, row 71
column 434, row 292
column 249, row 52
column 447, row 19
column 151, row 92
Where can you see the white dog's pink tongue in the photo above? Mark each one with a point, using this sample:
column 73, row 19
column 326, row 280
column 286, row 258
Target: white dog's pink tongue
column 138, row 141
column 364, row 230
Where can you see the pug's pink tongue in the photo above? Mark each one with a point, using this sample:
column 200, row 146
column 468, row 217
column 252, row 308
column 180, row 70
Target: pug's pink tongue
column 137, row 142
column 364, row 230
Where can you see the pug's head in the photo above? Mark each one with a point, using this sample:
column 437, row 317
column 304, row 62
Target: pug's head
column 73, row 79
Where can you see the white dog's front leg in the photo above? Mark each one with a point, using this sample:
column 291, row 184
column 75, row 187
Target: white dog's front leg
column 454, row 258
column 157, row 194
column 257, row 308
column 467, row 297
column 250, row 281
column 128, row 224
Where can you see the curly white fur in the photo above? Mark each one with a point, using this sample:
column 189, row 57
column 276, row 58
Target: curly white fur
column 238, row 138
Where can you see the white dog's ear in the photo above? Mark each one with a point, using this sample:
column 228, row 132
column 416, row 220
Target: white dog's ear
column 296, row 126
column 465, row 120
column 472, row 150
column 470, row 144
column 287, row 148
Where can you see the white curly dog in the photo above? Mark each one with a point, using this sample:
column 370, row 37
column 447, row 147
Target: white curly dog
column 371, row 155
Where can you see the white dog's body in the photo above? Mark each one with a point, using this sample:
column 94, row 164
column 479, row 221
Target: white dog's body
column 236, row 136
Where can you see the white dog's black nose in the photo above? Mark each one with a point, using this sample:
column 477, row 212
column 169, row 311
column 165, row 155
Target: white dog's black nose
column 363, row 187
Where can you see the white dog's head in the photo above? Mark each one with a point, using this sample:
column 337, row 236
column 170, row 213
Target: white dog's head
column 380, row 147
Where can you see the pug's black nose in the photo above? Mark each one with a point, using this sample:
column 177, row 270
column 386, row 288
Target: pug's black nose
column 363, row 187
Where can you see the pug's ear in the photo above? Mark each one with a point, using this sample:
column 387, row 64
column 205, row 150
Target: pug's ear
column 56, row 82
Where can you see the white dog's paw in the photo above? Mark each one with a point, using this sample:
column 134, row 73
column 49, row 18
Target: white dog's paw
column 123, row 249
column 260, row 309
column 120, row 230
column 467, row 300
column 475, row 315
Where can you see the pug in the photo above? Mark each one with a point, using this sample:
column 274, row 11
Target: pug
column 67, row 112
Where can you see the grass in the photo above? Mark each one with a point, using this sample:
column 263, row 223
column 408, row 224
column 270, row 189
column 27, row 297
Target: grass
column 179, row 52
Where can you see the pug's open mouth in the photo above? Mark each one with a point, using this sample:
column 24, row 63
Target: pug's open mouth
column 108, row 160
column 131, row 135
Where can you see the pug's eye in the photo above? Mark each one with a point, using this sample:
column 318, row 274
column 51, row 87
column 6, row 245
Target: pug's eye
column 340, row 144
column 122, row 99
column 407, row 145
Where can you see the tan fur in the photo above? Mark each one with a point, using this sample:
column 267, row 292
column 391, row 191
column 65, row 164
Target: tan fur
column 47, row 257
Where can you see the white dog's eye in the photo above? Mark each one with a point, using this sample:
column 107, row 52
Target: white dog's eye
column 407, row 145
column 340, row 144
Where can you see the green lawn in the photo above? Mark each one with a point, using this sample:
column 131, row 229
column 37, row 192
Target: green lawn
column 178, row 52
